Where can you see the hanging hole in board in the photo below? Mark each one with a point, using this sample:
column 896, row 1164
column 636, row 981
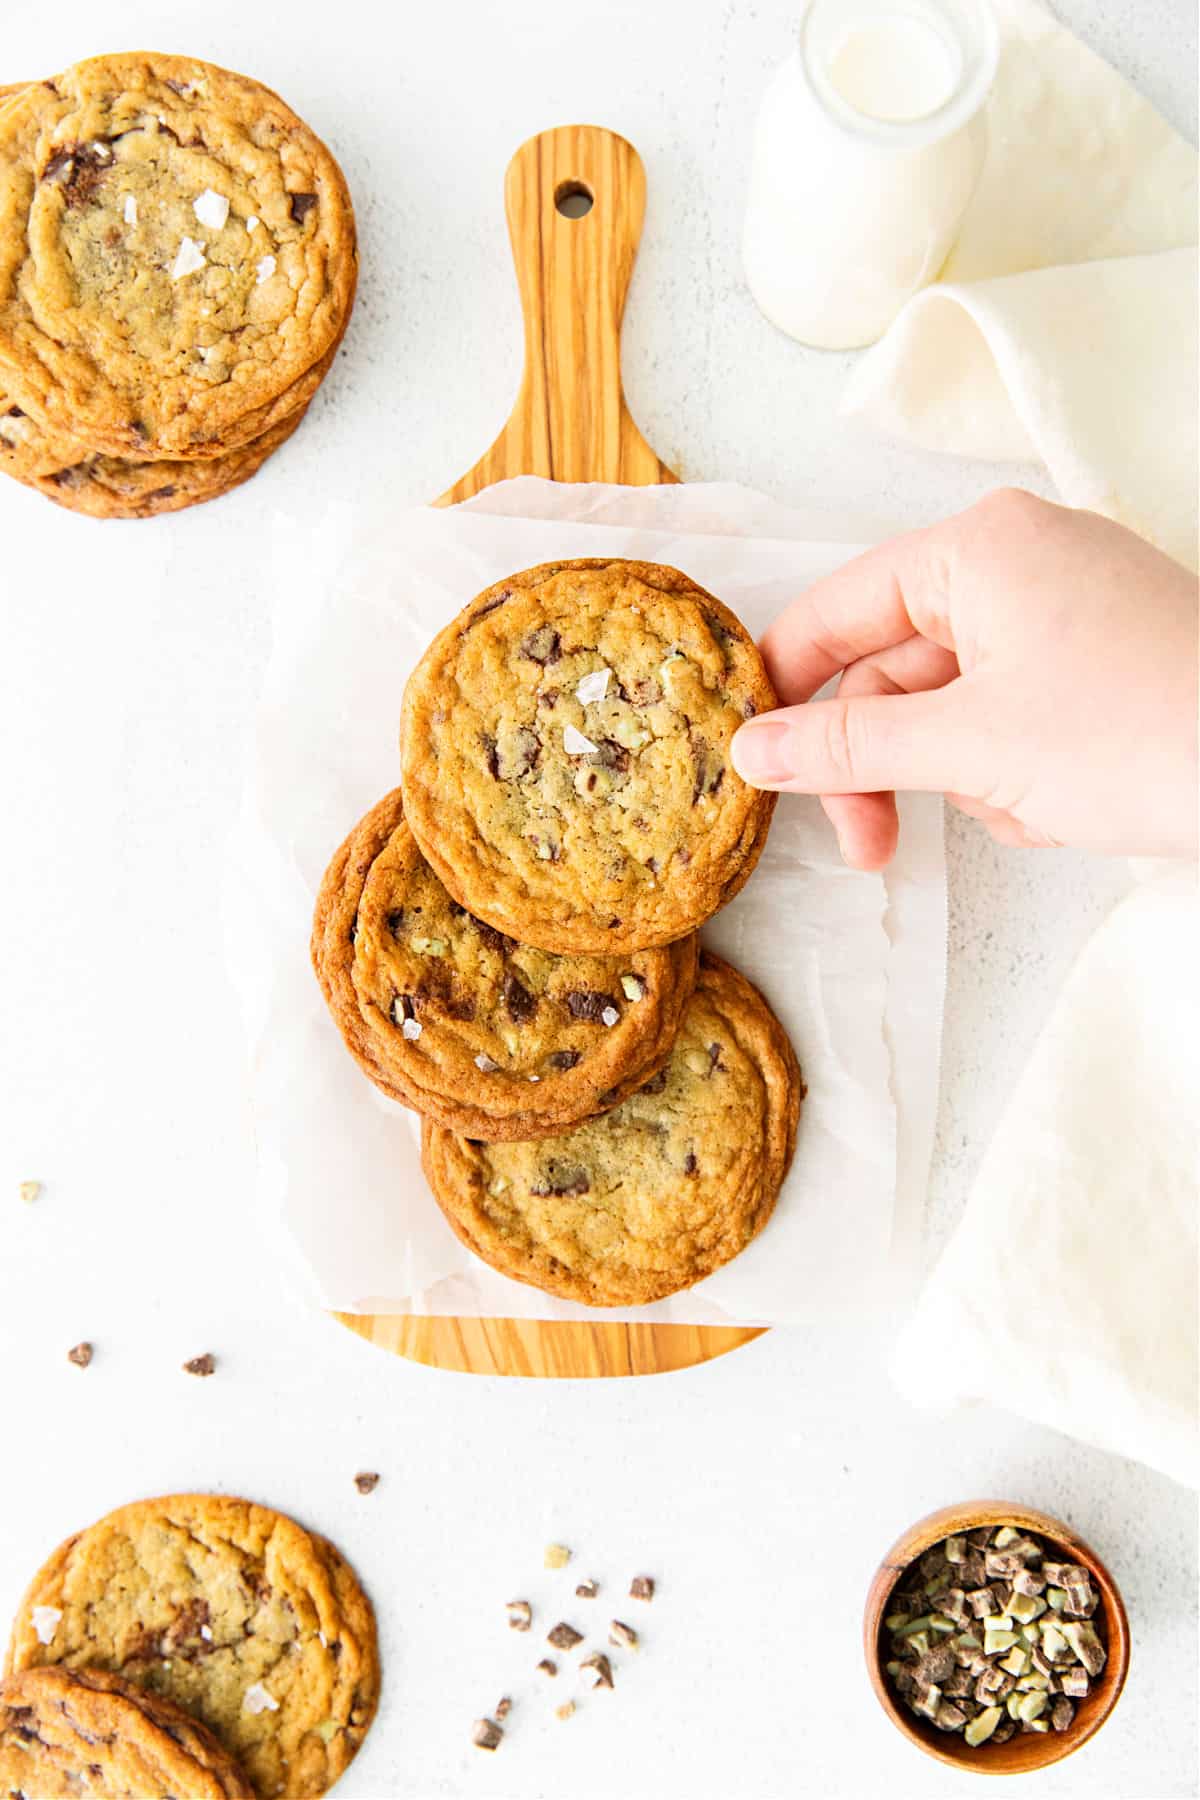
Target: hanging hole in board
column 573, row 199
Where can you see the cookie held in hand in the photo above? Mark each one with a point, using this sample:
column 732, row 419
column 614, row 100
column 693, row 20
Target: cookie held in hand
column 565, row 756
column 655, row 1195
column 489, row 1037
column 85, row 1732
column 253, row 1625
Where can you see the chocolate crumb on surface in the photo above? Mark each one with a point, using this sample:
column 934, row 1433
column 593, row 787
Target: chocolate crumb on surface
column 642, row 1587
column 200, row 1365
column 622, row 1635
column 597, row 1669
column 486, row 1734
column 366, row 1481
column 520, row 1615
column 503, row 1707
column 587, row 1590
column 81, row 1355
column 547, row 1667
column 564, row 1636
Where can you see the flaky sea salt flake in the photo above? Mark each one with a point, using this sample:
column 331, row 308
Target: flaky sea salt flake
column 189, row 258
column 212, row 209
column 45, row 1622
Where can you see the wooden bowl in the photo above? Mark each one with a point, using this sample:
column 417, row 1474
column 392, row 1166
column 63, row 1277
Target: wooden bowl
column 1026, row 1751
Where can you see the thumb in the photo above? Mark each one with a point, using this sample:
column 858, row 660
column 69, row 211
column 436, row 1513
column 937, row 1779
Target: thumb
column 863, row 745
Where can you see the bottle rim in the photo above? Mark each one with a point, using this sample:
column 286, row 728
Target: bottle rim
column 960, row 106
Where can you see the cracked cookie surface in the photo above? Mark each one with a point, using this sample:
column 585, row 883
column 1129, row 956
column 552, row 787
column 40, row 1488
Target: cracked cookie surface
column 565, row 756
column 655, row 1195
column 90, row 1734
column 490, row 1037
column 253, row 1625
column 177, row 256
column 113, row 487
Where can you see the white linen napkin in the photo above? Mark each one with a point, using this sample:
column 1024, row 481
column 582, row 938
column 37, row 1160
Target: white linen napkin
column 1063, row 326
column 1068, row 1292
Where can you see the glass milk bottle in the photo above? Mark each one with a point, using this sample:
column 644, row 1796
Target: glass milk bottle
column 869, row 143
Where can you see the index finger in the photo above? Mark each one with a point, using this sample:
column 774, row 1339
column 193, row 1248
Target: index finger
column 876, row 600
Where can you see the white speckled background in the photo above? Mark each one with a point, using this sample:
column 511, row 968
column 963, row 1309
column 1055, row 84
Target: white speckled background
column 761, row 1489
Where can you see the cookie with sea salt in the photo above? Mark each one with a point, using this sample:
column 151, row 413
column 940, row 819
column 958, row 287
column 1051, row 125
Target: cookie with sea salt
column 660, row 1192
column 256, row 1627
column 67, row 1733
column 177, row 257
column 565, row 756
column 488, row 1036
column 114, row 487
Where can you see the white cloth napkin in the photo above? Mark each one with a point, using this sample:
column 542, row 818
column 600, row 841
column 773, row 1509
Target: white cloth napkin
column 1064, row 324
column 1068, row 1293
column 1065, row 328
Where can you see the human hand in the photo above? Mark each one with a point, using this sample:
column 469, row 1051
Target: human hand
column 1035, row 664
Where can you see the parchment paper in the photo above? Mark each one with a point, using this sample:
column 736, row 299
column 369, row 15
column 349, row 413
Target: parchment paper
column 853, row 965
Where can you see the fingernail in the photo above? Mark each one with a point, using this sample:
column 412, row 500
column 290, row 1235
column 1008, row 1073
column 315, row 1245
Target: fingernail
column 759, row 752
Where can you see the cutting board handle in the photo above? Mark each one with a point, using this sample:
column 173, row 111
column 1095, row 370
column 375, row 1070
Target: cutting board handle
column 575, row 199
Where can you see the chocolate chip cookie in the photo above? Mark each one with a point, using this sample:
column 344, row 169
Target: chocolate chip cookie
column 113, row 487
column 448, row 1015
column 84, row 1732
column 177, row 257
column 658, row 1193
column 565, row 756
column 253, row 1625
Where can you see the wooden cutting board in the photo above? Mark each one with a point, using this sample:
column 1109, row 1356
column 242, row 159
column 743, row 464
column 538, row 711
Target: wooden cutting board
column 575, row 200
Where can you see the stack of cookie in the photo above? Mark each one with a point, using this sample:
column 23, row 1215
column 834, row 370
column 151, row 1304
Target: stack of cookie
column 195, row 1647
column 508, row 941
column 177, row 270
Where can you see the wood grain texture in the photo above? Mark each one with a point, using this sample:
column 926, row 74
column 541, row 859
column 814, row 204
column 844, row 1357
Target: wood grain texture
column 570, row 423
column 1021, row 1754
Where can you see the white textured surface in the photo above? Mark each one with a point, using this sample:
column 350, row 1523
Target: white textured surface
column 760, row 1489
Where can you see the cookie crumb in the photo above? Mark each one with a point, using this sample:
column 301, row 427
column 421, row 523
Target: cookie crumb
column 642, row 1587
column 503, row 1707
column 81, row 1355
column 547, row 1667
column 556, row 1556
column 564, row 1712
column 564, row 1636
column 29, row 1191
column 597, row 1670
column 200, row 1365
column 622, row 1635
column 366, row 1481
column 487, row 1734
column 587, row 1590
column 520, row 1615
